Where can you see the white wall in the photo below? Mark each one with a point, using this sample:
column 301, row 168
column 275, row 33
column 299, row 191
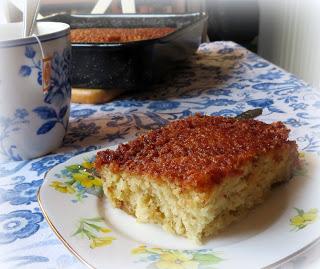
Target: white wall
column 290, row 36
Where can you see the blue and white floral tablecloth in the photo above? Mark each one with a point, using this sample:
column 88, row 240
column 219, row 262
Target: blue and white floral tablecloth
column 223, row 79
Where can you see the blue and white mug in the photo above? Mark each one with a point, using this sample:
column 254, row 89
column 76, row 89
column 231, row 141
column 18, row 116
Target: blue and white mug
column 33, row 122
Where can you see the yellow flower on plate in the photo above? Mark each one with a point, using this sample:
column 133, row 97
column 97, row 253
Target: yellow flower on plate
column 62, row 187
column 105, row 230
column 97, row 182
column 303, row 219
column 139, row 250
column 87, row 165
column 101, row 241
column 176, row 260
column 297, row 221
column 86, row 180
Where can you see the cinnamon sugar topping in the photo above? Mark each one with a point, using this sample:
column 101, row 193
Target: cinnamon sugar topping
column 198, row 151
column 106, row 35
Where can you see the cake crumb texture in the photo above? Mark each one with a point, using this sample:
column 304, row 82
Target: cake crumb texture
column 196, row 176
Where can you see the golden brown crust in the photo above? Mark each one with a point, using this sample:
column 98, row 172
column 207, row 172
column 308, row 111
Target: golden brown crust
column 107, row 35
column 198, row 151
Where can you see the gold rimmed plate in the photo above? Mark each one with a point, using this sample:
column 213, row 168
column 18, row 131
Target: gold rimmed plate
column 72, row 201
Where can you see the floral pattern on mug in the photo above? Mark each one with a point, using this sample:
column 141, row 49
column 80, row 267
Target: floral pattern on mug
column 303, row 219
column 58, row 95
column 52, row 118
column 26, row 70
column 94, row 230
column 177, row 259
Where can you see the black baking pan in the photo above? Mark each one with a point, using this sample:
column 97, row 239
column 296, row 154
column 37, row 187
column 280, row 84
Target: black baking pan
column 132, row 65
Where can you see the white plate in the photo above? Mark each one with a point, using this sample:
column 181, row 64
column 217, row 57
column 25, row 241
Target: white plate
column 103, row 237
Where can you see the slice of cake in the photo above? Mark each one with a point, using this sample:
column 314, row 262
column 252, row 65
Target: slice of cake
column 197, row 175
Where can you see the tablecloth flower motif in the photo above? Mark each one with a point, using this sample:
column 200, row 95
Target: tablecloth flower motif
column 227, row 112
column 79, row 132
column 128, row 103
column 82, row 113
column 263, row 103
column 9, row 182
column 219, row 92
column 18, row 224
column 260, row 64
column 317, row 104
column 271, row 75
column 299, row 106
column 225, row 50
column 295, row 122
column 163, row 105
column 8, row 126
column 44, row 164
column 24, row 193
column 24, row 261
column 310, row 143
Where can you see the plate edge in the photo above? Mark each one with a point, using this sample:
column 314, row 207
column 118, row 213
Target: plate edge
column 293, row 255
column 279, row 262
column 56, row 232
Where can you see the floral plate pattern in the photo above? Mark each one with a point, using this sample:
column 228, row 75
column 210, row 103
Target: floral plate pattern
column 102, row 236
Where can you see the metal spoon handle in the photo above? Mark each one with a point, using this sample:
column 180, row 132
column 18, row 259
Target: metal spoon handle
column 30, row 16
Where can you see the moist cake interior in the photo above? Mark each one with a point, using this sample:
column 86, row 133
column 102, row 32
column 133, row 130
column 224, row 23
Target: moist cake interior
column 196, row 176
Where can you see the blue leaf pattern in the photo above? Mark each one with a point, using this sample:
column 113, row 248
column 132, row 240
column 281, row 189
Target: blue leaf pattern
column 26, row 260
column 60, row 89
column 263, row 103
column 30, row 52
column 59, row 93
column 45, row 112
column 46, row 127
column 39, row 79
column 25, row 71
column 275, row 110
column 63, row 112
